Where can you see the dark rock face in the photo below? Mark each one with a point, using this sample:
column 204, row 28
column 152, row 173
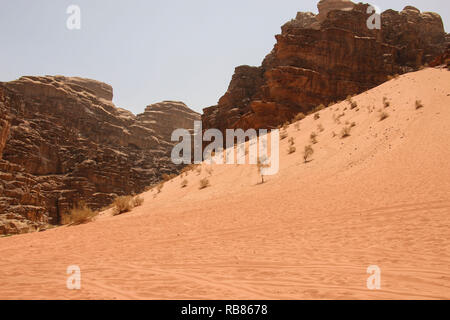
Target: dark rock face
column 324, row 58
column 62, row 141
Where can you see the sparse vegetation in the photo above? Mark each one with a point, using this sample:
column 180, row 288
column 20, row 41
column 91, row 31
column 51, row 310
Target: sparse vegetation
column 126, row 203
column 386, row 102
column 261, row 165
column 300, row 116
column 320, row 128
column 123, row 204
column 283, row 134
column 292, row 147
column 383, row 115
column 313, row 138
column 184, row 183
column 209, row 171
column 309, row 151
column 80, row 214
column 138, row 201
column 419, row 104
column 345, row 132
column 204, row 183
column 159, row 187
column 316, row 116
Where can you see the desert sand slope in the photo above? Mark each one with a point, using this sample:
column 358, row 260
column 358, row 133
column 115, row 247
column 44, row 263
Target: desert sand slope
column 378, row 197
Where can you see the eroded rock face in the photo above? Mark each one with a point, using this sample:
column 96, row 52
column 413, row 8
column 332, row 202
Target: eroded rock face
column 319, row 59
column 62, row 141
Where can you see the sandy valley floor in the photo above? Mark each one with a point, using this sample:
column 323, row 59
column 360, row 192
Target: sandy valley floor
column 379, row 197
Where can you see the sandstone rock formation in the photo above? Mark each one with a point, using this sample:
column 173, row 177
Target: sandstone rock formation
column 319, row 59
column 62, row 141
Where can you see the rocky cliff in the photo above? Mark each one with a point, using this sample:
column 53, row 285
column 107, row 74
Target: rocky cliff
column 319, row 59
column 62, row 141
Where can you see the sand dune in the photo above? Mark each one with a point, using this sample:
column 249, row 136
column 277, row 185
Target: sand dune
column 378, row 197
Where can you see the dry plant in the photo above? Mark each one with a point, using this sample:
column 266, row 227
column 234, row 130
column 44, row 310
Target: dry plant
column 292, row 147
column 383, row 115
column 159, row 187
column 138, row 201
column 345, row 132
column 80, row 214
column 204, row 183
column 419, row 104
column 283, row 134
column 316, row 116
column 320, row 128
column 123, row 204
column 313, row 138
column 209, row 171
column 309, row 151
column 386, row 103
column 300, row 116
column 261, row 165
column 184, row 183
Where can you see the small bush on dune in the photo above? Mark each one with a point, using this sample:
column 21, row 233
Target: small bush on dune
column 316, row 116
column 300, row 116
column 159, row 187
column 184, row 183
column 80, row 214
column 345, row 132
column 313, row 138
column 138, row 201
column 204, row 183
column 292, row 147
column 419, row 104
column 283, row 135
column 123, row 204
column 309, row 151
column 261, row 165
column 320, row 128
column 386, row 103
column 383, row 115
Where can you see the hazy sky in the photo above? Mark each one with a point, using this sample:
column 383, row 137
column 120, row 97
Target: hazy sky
column 152, row 50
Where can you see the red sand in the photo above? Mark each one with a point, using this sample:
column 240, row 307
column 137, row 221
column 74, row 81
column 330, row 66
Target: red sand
column 379, row 197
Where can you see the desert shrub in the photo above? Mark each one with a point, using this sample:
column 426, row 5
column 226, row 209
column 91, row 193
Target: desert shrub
column 138, row 201
column 353, row 105
column 80, row 214
column 320, row 128
column 383, row 115
column 204, row 183
column 316, row 116
column 184, row 183
column 159, row 187
column 292, row 147
column 419, row 104
column 261, row 165
column 309, row 151
column 123, row 204
column 283, row 135
column 386, row 103
column 300, row 116
column 313, row 138
column 345, row 132
column 209, row 171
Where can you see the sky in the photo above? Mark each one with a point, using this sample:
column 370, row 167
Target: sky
column 152, row 50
